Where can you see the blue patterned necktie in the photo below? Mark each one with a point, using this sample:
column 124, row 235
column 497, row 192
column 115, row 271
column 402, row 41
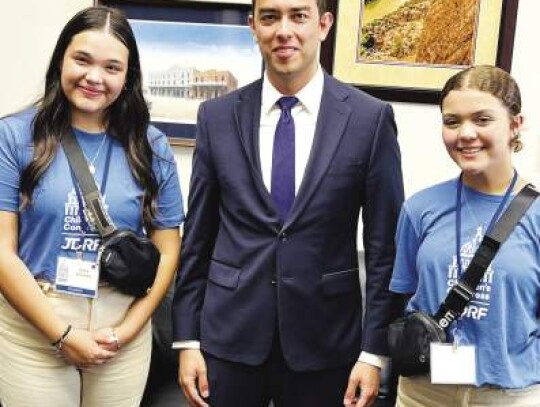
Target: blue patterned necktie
column 282, row 187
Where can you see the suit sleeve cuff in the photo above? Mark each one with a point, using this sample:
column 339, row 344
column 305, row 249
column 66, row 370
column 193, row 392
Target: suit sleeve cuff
column 186, row 345
column 374, row 360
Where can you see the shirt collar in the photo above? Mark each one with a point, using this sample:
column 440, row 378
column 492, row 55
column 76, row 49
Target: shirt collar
column 309, row 96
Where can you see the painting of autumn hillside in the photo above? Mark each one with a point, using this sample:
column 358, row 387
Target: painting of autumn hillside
column 436, row 32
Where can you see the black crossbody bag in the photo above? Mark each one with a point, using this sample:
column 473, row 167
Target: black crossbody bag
column 409, row 337
column 127, row 261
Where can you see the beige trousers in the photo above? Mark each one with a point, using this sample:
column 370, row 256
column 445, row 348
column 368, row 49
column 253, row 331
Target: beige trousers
column 419, row 392
column 31, row 374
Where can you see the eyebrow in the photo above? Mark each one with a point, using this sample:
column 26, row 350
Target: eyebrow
column 485, row 111
column 476, row 113
column 293, row 10
column 88, row 55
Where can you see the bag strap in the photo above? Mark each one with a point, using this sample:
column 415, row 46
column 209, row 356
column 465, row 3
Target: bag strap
column 95, row 209
column 463, row 291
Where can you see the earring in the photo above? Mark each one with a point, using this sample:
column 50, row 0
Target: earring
column 516, row 142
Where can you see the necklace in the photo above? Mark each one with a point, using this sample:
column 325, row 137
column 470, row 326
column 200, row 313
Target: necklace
column 91, row 162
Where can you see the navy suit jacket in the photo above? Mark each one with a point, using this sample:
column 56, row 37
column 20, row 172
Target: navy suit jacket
column 243, row 271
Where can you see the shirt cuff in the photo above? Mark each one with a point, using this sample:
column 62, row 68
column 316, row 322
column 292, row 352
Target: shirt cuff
column 186, row 345
column 365, row 357
column 374, row 360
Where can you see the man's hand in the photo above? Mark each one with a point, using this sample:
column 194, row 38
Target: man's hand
column 192, row 377
column 365, row 378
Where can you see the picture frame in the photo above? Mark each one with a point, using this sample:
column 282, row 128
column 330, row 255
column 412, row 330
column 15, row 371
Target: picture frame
column 248, row 2
column 190, row 51
column 403, row 80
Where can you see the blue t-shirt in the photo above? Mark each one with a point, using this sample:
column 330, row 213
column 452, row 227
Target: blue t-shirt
column 503, row 319
column 51, row 226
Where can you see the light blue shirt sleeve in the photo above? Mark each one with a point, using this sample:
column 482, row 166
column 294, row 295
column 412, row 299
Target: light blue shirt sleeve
column 405, row 276
column 14, row 135
column 170, row 208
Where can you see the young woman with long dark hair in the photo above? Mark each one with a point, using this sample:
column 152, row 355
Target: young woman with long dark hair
column 59, row 349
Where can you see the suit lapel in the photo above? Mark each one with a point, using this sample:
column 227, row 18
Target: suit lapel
column 333, row 117
column 248, row 115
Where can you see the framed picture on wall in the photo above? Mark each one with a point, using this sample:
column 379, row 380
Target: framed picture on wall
column 225, row 1
column 405, row 50
column 191, row 51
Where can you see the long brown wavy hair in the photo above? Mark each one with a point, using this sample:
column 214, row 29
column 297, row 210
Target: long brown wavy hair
column 127, row 118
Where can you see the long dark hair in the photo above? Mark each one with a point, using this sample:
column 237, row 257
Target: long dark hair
column 127, row 118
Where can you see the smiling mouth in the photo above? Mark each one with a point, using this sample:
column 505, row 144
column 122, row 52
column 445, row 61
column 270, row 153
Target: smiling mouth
column 90, row 92
column 470, row 150
column 284, row 52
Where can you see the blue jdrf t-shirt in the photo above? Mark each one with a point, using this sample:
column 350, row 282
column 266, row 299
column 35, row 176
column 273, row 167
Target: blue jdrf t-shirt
column 503, row 319
column 51, row 226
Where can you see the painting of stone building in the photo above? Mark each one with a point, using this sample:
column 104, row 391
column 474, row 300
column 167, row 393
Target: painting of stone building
column 436, row 32
column 190, row 83
column 184, row 64
column 176, row 81
column 212, row 84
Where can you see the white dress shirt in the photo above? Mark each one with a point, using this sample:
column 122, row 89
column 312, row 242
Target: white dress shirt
column 305, row 114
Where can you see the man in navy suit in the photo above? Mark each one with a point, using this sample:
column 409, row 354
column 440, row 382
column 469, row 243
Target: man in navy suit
column 268, row 303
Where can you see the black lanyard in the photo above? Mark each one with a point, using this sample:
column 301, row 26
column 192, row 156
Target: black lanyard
column 84, row 224
column 493, row 218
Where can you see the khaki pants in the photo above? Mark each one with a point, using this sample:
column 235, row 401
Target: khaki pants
column 31, row 374
column 419, row 392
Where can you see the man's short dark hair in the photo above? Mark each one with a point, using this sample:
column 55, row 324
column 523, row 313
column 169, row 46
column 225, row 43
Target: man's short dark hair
column 321, row 5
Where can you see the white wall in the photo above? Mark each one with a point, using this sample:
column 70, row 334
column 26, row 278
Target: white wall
column 525, row 69
column 28, row 31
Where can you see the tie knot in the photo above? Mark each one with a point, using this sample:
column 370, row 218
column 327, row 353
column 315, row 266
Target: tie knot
column 287, row 102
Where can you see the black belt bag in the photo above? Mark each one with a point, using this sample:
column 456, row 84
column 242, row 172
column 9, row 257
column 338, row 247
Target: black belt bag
column 409, row 337
column 127, row 261
column 409, row 340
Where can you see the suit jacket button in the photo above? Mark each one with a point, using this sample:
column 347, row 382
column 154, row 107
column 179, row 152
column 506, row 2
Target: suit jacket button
column 283, row 237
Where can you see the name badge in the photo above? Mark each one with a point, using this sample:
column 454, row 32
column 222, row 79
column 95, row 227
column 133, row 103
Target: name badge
column 452, row 364
column 77, row 277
